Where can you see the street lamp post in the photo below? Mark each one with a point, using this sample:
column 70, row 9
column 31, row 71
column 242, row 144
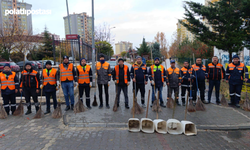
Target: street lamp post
column 72, row 53
column 110, row 38
column 93, row 45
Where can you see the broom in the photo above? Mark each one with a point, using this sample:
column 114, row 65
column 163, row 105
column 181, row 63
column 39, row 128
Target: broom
column 116, row 99
column 246, row 104
column 199, row 105
column 78, row 108
column 170, row 101
column 3, row 114
column 148, row 103
column 95, row 101
column 57, row 113
column 40, row 113
column 19, row 111
column 223, row 100
column 191, row 107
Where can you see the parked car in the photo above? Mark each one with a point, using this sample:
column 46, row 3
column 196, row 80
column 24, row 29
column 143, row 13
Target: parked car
column 112, row 64
column 112, row 59
column 39, row 64
column 33, row 63
column 13, row 66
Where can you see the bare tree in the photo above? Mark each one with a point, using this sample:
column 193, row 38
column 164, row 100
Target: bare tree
column 102, row 33
column 161, row 39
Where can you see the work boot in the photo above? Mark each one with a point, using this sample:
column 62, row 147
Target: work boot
column 89, row 107
column 126, row 106
column 117, row 105
column 28, row 112
column 37, row 108
column 47, row 112
column 162, row 105
column 101, row 105
column 67, row 108
column 230, row 104
column 72, row 107
column 237, row 105
column 88, row 104
column 177, row 103
column 107, row 106
column 205, row 102
column 218, row 102
column 183, row 104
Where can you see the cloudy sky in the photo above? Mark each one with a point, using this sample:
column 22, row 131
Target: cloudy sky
column 133, row 19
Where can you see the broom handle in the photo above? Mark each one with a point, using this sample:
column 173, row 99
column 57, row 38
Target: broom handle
column 157, row 114
column 60, row 77
column 148, row 103
column 41, row 89
column 174, row 105
column 22, row 75
column 134, row 89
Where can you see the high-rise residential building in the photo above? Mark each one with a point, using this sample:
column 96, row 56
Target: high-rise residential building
column 183, row 32
column 80, row 24
column 20, row 22
column 122, row 46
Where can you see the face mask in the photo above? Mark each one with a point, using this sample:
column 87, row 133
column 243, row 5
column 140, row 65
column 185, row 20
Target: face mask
column 102, row 61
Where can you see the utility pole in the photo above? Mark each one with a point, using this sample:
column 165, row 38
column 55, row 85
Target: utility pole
column 93, row 45
column 72, row 53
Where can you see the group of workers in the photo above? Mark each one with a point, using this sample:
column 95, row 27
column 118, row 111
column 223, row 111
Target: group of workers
column 68, row 77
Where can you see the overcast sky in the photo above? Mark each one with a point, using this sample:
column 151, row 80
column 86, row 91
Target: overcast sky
column 133, row 19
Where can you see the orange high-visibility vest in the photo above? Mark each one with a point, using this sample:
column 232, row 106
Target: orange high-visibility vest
column 105, row 66
column 218, row 66
column 67, row 74
column 153, row 69
column 196, row 68
column 239, row 67
column 125, row 73
column 10, row 83
column 33, row 73
column 83, row 75
column 51, row 79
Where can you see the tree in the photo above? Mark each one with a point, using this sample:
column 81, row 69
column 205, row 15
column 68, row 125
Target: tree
column 144, row 49
column 104, row 48
column 17, row 56
column 229, row 21
column 161, row 39
column 156, row 50
column 47, row 48
column 123, row 54
column 102, row 33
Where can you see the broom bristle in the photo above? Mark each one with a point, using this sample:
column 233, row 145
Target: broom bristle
column 19, row 111
column 57, row 112
column 78, row 108
column 39, row 114
column 170, row 103
column 246, row 104
column 3, row 114
column 191, row 107
column 155, row 107
column 223, row 101
column 94, row 102
column 137, row 108
column 199, row 105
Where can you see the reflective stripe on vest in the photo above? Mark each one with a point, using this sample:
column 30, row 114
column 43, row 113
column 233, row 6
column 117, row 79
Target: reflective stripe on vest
column 51, row 79
column 154, row 68
column 198, row 67
column 67, row 74
column 83, row 75
column 10, row 83
column 125, row 73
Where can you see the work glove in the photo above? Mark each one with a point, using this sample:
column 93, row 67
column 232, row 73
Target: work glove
column 41, row 86
column 164, row 84
column 90, row 84
column 108, row 83
column 58, row 83
column 152, row 82
column 128, row 83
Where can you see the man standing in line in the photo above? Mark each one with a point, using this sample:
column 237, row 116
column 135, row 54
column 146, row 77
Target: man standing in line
column 29, row 85
column 85, row 80
column 9, row 86
column 173, row 81
column 50, row 83
column 121, row 77
column 235, row 76
column 187, row 76
column 201, row 75
column 157, row 76
column 215, row 72
column 140, row 78
column 68, row 81
column 103, row 79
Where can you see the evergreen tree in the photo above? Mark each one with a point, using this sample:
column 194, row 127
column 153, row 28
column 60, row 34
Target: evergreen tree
column 144, row 49
column 156, row 50
column 47, row 48
column 229, row 21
